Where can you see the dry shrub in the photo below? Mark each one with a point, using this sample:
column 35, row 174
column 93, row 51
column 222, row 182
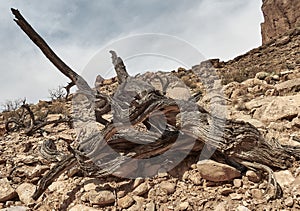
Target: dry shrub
column 57, row 94
column 58, row 107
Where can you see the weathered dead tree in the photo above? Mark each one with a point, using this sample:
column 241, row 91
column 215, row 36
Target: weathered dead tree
column 26, row 120
column 120, row 147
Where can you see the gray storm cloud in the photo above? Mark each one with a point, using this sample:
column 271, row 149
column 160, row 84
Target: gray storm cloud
column 78, row 29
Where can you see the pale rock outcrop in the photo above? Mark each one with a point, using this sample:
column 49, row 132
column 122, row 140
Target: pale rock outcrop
column 280, row 16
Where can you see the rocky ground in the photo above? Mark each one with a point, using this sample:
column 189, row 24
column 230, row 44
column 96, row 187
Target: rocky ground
column 270, row 101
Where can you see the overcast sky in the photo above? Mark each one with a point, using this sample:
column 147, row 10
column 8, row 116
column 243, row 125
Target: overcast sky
column 78, row 30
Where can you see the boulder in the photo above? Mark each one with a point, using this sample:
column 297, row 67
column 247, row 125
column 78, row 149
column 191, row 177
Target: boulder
column 25, row 192
column 6, row 191
column 271, row 109
column 101, row 198
column 284, row 178
column 216, row 172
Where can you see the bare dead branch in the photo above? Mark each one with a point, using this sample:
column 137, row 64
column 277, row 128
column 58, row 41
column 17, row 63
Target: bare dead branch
column 119, row 67
column 48, row 52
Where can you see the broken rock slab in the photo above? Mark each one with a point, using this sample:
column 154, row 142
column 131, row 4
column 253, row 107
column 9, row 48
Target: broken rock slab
column 270, row 109
column 101, row 198
column 292, row 85
column 284, row 178
column 6, row 191
column 217, row 172
column 25, row 192
column 81, row 207
column 16, row 208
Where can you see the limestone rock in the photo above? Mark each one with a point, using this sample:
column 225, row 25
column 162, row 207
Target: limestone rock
column 195, row 178
column 168, row 187
column 141, row 189
column 216, row 172
column 102, row 198
column 81, row 207
column 236, row 196
column 295, row 187
column 242, row 208
column 262, row 75
column 125, row 202
column 237, row 183
column 284, row 178
column 150, row 206
column 289, row 201
column 226, row 191
column 253, row 176
column 58, row 186
column 183, row 206
column 137, row 182
column 181, row 93
column 270, row 109
column 16, row 208
column 25, row 192
column 288, row 86
column 6, row 191
column 256, row 193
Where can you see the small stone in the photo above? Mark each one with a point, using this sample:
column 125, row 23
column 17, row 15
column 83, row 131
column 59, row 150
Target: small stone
column 276, row 77
column 226, row 191
column 57, row 186
column 261, row 75
column 256, row 193
column 242, row 208
column 196, row 178
column 237, row 183
column 6, row 191
column 186, row 175
column 162, row 174
column 183, row 205
column 9, row 203
column 101, row 198
column 150, row 206
column 253, row 176
column 25, row 192
column 125, row 202
column 121, row 193
column 73, row 171
column 91, row 184
column 236, row 196
column 284, row 178
column 216, row 172
column 16, row 208
column 194, row 166
column 289, row 202
column 141, row 189
column 66, row 137
column 137, row 182
column 81, row 207
column 263, row 186
column 38, row 171
column 139, row 204
column 168, row 187
column 221, row 206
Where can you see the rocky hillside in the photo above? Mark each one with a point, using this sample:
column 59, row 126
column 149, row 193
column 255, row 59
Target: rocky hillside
column 280, row 16
column 260, row 87
column 276, row 57
column 269, row 100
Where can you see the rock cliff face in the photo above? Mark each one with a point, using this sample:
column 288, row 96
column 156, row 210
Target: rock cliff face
column 280, row 16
